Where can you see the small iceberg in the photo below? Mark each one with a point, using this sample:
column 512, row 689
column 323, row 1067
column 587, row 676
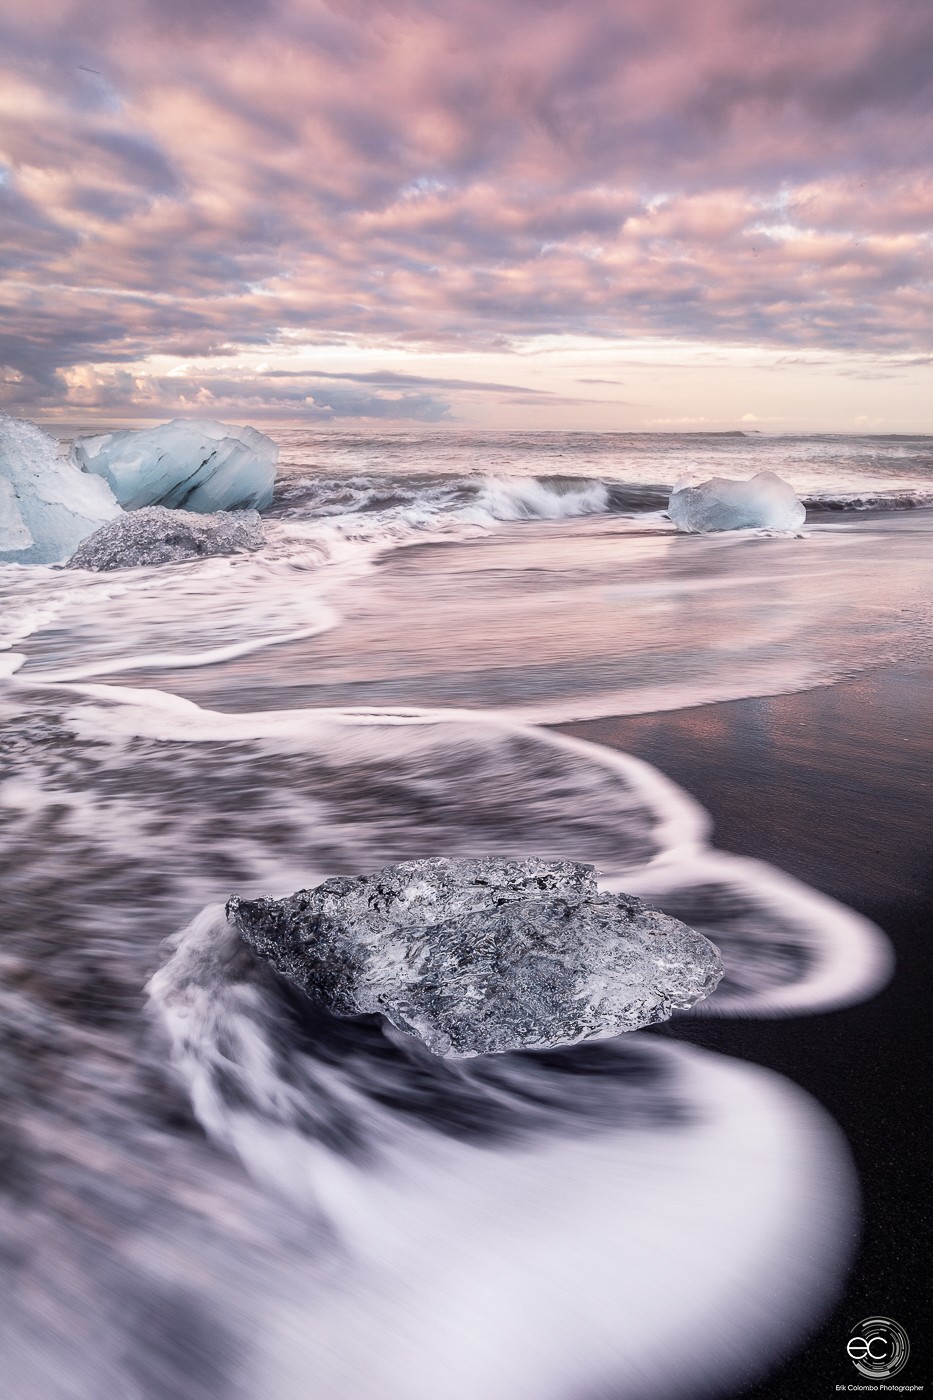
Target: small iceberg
column 190, row 463
column 762, row 502
column 156, row 535
column 482, row 956
column 47, row 506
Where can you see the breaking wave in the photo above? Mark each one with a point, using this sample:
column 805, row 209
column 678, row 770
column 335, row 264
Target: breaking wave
column 423, row 501
column 868, row 500
column 542, row 498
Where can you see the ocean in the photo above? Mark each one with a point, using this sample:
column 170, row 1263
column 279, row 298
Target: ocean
column 215, row 1191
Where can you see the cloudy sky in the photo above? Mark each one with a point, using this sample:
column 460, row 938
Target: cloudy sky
column 506, row 213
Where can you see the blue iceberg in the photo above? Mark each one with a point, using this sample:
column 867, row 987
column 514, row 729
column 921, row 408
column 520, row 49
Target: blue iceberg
column 47, row 506
column 191, row 463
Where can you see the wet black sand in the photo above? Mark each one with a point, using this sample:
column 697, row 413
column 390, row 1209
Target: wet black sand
column 835, row 786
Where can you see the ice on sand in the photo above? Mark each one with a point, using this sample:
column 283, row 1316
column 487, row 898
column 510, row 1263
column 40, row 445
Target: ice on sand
column 763, row 501
column 47, row 506
column 156, row 535
column 200, row 465
column 479, row 956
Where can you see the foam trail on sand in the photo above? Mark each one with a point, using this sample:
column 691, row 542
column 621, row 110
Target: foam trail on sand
column 791, row 950
column 214, row 610
column 676, row 822
column 164, row 661
column 788, row 949
column 402, row 1227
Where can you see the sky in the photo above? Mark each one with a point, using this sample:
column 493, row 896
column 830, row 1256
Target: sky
column 509, row 214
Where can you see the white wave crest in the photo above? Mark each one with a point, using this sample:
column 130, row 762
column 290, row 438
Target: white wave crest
column 542, row 498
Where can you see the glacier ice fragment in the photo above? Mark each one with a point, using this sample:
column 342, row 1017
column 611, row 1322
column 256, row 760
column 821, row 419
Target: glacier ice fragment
column 47, row 506
column 156, row 535
column 764, row 501
column 192, row 463
column 485, row 955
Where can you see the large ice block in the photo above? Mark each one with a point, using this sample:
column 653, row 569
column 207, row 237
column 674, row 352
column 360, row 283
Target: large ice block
column 763, row 501
column 47, row 506
column 480, row 956
column 193, row 463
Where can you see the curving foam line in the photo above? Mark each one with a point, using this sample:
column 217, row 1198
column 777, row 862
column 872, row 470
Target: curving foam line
column 839, row 957
column 680, row 823
column 179, row 660
column 793, row 950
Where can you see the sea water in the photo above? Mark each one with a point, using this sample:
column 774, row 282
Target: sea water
column 213, row 1190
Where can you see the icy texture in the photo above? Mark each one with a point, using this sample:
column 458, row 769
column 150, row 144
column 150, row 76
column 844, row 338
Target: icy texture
column 193, row 463
column 47, row 506
column 764, row 501
column 477, row 956
column 155, row 535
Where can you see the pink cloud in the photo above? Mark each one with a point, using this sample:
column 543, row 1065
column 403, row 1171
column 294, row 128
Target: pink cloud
column 200, row 175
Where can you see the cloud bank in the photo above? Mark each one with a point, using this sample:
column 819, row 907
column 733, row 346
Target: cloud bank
column 200, row 181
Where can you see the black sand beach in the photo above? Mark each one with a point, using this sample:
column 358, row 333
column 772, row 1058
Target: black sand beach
column 835, row 786
column 410, row 677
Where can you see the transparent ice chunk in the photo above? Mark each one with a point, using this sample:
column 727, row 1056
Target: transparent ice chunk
column 156, row 535
column 764, row 501
column 485, row 955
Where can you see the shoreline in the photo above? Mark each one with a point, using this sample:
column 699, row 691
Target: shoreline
column 835, row 787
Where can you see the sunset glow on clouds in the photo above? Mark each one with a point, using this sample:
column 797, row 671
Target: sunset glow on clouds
column 606, row 213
